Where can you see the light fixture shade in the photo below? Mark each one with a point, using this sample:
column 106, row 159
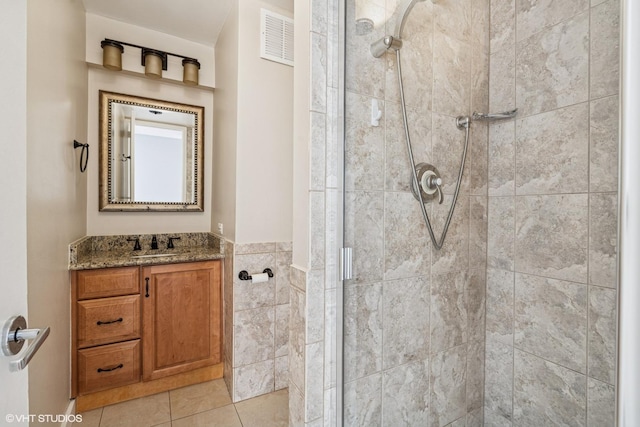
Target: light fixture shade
column 190, row 71
column 153, row 63
column 112, row 55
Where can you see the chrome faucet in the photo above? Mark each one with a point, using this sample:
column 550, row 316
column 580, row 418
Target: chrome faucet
column 154, row 242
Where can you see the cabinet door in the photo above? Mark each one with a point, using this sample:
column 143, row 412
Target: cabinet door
column 181, row 308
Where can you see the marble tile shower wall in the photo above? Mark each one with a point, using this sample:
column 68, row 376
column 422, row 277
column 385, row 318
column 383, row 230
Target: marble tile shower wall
column 414, row 331
column 256, row 320
column 551, row 277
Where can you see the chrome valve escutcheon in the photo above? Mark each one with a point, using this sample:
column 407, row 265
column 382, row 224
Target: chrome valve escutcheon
column 429, row 182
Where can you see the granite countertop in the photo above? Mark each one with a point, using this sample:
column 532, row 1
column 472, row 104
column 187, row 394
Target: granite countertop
column 116, row 251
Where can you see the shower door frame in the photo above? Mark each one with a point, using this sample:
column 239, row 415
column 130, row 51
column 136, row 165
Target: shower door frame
column 628, row 390
column 340, row 229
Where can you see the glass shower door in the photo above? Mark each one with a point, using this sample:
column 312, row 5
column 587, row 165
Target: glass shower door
column 413, row 316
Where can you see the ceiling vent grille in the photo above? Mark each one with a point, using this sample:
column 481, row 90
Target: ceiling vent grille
column 276, row 43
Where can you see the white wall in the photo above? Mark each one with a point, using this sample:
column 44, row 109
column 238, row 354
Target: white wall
column 56, row 190
column 13, row 176
column 132, row 81
column 254, row 122
column 109, row 223
column 225, row 117
column 265, row 135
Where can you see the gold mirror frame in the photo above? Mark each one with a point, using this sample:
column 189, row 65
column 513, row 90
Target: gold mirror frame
column 107, row 201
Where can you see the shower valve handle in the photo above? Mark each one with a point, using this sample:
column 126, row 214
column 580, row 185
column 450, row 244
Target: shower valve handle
column 434, row 181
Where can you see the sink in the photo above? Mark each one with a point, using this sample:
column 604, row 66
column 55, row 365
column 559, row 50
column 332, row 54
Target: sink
column 152, row 255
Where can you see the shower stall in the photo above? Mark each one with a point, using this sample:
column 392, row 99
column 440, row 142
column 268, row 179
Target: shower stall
column 480, row 213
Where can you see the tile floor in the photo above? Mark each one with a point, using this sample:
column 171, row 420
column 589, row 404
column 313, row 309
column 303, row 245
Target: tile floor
column 207, row 404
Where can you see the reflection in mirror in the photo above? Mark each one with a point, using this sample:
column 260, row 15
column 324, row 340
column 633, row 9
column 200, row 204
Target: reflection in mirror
column 150, row 154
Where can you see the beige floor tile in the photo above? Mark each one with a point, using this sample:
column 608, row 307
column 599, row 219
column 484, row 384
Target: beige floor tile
column 144, row 412
column 91, row 418
column 220, row 417
column 198, row 398
column 270, row 410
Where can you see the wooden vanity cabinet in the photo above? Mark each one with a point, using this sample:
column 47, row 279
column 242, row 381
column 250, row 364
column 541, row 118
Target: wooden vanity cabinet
column 142, row 330
column 182, row 318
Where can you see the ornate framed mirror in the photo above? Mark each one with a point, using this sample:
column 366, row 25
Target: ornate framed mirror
column 151, row 154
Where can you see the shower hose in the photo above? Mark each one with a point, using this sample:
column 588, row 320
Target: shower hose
column 466, row 123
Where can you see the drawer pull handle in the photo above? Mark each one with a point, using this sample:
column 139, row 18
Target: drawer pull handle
column 100, row 322
column 147, row 287
column 120, row 366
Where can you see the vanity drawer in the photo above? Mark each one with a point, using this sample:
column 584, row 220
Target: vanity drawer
column 107, row 320
column 108, row 366
column 107, row 282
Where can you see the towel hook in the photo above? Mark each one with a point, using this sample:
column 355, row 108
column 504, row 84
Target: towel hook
column 83, row 159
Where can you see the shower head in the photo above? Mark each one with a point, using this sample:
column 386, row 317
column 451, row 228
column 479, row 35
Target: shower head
column 363, row 26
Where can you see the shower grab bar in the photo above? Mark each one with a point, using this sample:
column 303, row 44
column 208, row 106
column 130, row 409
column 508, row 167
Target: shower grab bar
column 495, row 116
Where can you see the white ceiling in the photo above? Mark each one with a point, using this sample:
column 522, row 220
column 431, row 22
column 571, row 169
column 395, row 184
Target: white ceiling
column 196, row 20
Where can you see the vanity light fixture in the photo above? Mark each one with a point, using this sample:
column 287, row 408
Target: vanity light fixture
column 153, row 60
column 190, row 74
column 112, row 54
